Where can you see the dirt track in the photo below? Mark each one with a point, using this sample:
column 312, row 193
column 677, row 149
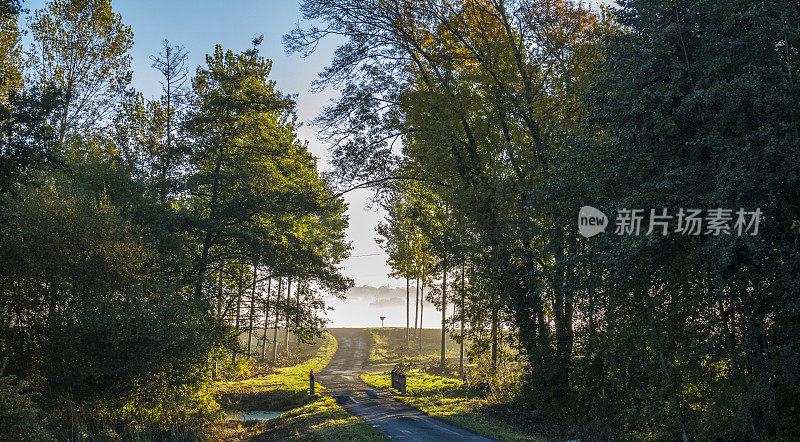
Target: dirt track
column 396, row 420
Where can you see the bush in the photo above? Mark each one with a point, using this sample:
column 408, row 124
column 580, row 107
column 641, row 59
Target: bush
column 499, row 386
column 157, row 410
column 19, row 419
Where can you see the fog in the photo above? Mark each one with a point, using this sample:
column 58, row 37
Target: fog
column 366, row 304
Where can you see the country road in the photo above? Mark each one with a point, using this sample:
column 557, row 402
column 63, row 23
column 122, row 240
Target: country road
column 396, row 420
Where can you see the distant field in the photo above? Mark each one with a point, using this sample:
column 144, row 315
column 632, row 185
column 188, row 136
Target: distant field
column 388, row 346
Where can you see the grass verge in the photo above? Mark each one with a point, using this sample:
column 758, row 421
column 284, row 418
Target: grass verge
column 321, row 420
column 284, row 390
column 447, row 399
column 309, row 418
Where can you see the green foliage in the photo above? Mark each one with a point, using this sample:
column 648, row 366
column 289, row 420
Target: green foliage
column 67, row 33
column 19, row 418
column 9, row 8
column 101, row 342
column 27, row 138
column 107, row 310
column 255, row 188
column 10, row 48
column 685, row 334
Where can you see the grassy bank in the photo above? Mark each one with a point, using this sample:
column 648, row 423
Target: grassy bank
column 281, row 391
column 321, row 420
column 388, row 346
column 447, row 399
column 306, row 418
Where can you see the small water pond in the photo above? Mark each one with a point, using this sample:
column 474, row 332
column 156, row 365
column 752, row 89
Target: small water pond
column 244, row 416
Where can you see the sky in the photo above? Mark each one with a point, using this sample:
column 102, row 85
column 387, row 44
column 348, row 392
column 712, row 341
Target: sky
column 199, row 25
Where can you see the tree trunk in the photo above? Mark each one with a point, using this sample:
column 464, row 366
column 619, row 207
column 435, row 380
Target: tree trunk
column 416, row 309
column 209, row 236
column 277, row 317
column 421, row 310
column 444, row 316
column 238, row 316
column 563, row 320
column 298, row 316
column 286, row 316
column 461, row 314
column 266, row 320
column 494, row 334
column 162, row 191
column 408, row 312
column 252, row 313
column 218, row 300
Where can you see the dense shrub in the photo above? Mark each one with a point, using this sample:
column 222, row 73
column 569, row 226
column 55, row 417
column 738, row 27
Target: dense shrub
column 19, row 418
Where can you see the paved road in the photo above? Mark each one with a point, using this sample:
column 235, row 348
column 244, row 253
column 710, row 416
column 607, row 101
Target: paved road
column 396, row 420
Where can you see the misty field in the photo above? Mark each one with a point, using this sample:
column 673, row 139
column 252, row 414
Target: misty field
column 388, row 346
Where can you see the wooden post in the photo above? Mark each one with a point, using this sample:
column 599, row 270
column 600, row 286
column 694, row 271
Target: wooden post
column 311, row 385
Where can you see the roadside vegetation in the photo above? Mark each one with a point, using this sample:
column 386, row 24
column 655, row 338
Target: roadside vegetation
column 316, row 418
column 454, row 401
column 321, row 420
column 482, row 399
column 284, row 389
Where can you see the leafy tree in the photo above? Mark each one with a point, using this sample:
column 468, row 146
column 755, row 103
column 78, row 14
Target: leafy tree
column 255, row 190
column 82, row 47
column 693, row 104
column 397, row 236
column 10, row 7
column 27, row 141
column 19, row 418
column 480, row 93
column 88, row 321
column 10, row 49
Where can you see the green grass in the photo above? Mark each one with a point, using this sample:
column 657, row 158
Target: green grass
column 309, row 418
column 447, row 399
column 321, row 420
column 284, row 390
column 388, row 346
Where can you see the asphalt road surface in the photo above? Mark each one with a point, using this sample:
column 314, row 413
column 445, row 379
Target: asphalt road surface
column 398, row 421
